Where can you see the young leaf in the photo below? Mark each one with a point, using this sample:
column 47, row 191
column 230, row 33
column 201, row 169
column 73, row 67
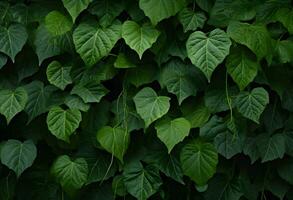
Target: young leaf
column 199, row 161
column 57, row 24
column 75, row 7
column 93, row 43
column 172, row 132
column 12, row 102
column 18, row 156
column 150, row 106
column 141, row 182
column 63, row 123
column 12, row 40
column 70, row 173
column 139, row 38
column 207, row 51
column 242, row 67
column 59, row 75
column 114, row 140
column 159, row 10
column 252, row 104
column 191, row 20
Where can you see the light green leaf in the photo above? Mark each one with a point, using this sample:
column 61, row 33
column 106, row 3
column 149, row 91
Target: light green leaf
column 139, row 38
column 271, row 147
column 172, row 132
column 114, row 140
column 179, row 79
column 242, row 66
column 57, row 24
column 75, row 7
column 93, row 43
column 252, row 104
column 12, row 40
column 123, row 62
column 199, row 161
column 162, row 9
column 191, row 20
column 141, row 182
column 63, row 123
column 90, row 92
column 285, row 16
column 150, row 106
column 106, row 10
column 70, row 173
column 284, row 49
column 12, row 102
column 257, row 38
column 59, row 75
column 18, row 156
column 207, row 51
column 38, row 99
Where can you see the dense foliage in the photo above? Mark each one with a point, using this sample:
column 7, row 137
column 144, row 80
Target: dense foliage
column 146, row 99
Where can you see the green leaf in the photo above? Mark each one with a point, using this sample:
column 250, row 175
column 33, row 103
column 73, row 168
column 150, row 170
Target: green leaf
column 284, row 49
column 70, row 173
column 242, row 66
column 199, row 161
column 212, row 128
column 150, row 106
column 93, row 43
column 12, row 40
column 179, row 79
column 12, row 102
column 106, row 10
column 172, row 132
column 285, row 16
column 90, row 92
column 3, row 60
column 250, row 149
column 141, row 182
column 285, row 170
column 114, row 140
column 191, row 20
column 252, row 104
column 197, row 114
column 159, row 10
column 18, row 156
column 57, row 24
column 142, row 75
column 59, row 75
column 227, row 144
column 207, row 51
column 38, row 99
column 139, row 38
column 257, row 38
column 75, row 7
column 75, row 102
column 63, row 123
column 271, row 147
column 123, row 62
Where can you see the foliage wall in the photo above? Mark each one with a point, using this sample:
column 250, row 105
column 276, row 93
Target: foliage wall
column 146, row 99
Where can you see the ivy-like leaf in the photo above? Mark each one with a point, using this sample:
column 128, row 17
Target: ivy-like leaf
column 191, row 20
column 12, row 40
column 199, row 161
column 70, row 173
column 75, row 7
column 242, row 67
column 159, row 10
column 93, row 43
column 63, row 123
column 12, row 102
column 59, row 75
column 140, row 181
column 172, row 132
column 150, row 106
column 114, row 140
column 139, row 38
column 57, row 24
column 252, row 104
column 207, row 51
column 18, row 156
